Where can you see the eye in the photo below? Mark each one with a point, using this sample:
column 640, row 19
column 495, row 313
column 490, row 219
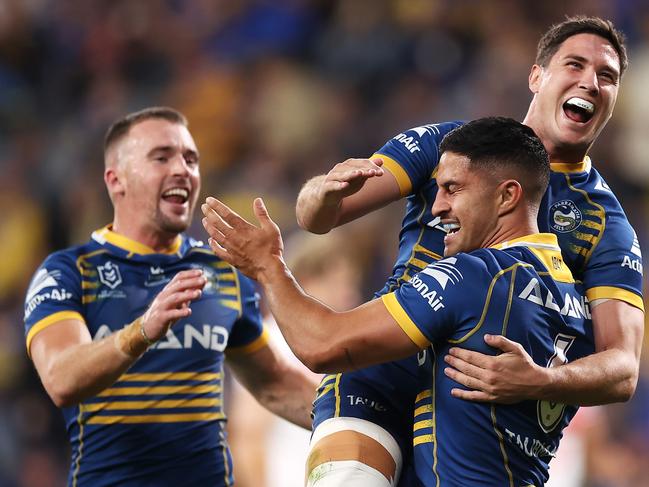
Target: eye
column 608, row 77
column 191, row 160
column 574, row 64
column 162, row 159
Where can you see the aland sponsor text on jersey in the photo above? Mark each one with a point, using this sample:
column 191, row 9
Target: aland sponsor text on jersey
column 169, row 405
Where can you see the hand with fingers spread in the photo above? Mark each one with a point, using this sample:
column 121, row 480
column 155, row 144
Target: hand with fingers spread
column 172, row 303
column 509, row 377
column 251, row 249
column 347, row 178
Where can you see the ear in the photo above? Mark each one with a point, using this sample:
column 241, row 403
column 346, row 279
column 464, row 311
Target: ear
column 510, row 195
column 534, row 79
column 113, row 181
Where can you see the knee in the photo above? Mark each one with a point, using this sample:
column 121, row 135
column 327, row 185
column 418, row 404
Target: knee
column 352, row 452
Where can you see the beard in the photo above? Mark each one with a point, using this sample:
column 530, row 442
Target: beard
column 173, row 224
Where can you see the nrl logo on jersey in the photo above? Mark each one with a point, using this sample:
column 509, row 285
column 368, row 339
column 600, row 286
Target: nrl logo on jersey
column 564, row 216
column 109, row 275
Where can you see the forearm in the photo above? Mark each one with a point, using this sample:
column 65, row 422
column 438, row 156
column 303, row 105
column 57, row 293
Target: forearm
column 605, row 377
column 82, row 371
column 313, row 213
column 291, row 396
column 305, row 322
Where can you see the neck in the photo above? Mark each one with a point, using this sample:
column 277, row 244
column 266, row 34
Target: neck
column 157, row 240
column 558, row 153
column 512, row 228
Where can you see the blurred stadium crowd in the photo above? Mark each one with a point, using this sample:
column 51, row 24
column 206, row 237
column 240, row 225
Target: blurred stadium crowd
column 276, row 91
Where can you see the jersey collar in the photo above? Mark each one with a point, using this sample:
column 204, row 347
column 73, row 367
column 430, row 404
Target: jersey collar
column 545, row 247
column 583, row 166
column 106, row 234
column 547, row 241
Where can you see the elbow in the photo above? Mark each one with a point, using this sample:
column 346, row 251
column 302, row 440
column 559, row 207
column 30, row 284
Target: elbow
column 626, row 389
column 62, row 393
column 62, row 397
column 321, row 361
column 311, row 226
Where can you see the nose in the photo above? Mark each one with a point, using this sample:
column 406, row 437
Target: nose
column 440, row 205
column 179, row 166
column 589, row 82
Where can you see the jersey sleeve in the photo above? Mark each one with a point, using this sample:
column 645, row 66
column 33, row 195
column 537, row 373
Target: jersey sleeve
column 412, row 156
column 614, row 270
column 435, row 303
column 248, row 333
column 54, row 294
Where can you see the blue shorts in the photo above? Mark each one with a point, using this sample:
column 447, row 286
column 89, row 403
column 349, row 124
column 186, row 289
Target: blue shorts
column 382, row 394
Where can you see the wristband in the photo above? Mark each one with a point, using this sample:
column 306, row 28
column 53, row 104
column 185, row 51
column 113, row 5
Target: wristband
column 146, row 339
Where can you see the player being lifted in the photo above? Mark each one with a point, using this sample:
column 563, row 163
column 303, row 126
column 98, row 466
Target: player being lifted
column 142, row 399
column 574, row 82
column 499, row 276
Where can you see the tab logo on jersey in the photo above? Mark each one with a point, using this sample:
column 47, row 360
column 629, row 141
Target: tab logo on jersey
column 41, row 280
column 564, row 216
column 109, row 274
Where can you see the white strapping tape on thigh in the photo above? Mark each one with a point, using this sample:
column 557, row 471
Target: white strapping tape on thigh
column 374, row 431
column 346, row 473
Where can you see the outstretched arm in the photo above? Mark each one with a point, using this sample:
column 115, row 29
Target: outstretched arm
column 72, row 367
column 323, row 339
column 610, row 375
column 351, row 189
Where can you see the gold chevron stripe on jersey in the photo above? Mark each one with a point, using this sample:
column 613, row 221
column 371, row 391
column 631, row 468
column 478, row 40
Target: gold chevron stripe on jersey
column 597, row 223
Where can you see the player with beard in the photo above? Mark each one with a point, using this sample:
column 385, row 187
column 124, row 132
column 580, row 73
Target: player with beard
column 129, row 331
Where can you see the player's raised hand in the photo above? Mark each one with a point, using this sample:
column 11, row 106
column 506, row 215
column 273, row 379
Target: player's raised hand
column 507, row 378
column 347, row 178
column 249, row 248
column 172, row 303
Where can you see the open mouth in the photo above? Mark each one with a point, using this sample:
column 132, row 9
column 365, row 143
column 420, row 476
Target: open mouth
column 451, row 228
column 579, row 110
column 176, row 195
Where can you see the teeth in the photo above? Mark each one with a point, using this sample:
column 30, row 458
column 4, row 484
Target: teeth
column 451, row 227
column 183, row 193
column 581, row 103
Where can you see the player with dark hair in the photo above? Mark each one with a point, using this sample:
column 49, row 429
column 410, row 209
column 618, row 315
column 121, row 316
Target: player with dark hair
column 491, row 176
column 129, row 331
column 574, row 82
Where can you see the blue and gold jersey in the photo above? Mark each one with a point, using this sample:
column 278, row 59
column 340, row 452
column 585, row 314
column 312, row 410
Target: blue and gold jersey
column 162, row 422
column 524, row 291
column 597, row 241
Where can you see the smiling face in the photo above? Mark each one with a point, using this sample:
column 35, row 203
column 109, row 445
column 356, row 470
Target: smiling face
column 467, row 203
column 153, row 178
column 574, row 96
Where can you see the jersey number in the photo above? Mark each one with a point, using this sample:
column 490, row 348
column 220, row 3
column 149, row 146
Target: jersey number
column 550, row 413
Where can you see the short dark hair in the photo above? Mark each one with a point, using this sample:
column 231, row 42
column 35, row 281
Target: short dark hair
column 558, row 33
column 496, row 143
column 122, row 126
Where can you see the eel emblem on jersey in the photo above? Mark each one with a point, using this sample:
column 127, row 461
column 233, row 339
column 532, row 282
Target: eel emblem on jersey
column 564, row 216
